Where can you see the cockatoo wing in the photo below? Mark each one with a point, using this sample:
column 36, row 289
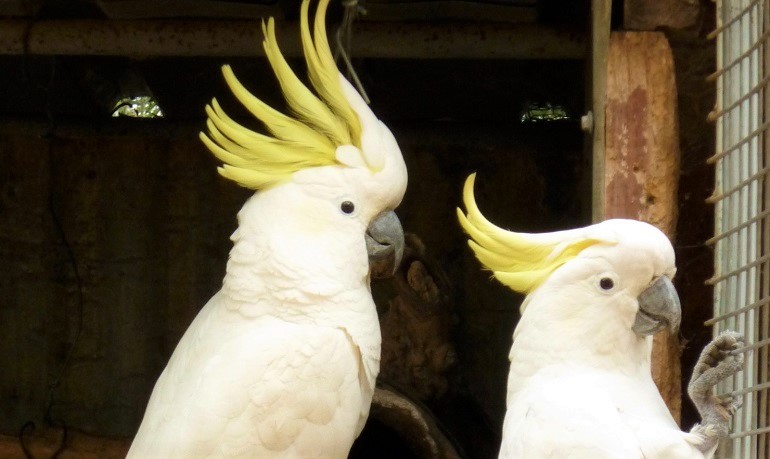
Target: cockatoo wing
column 299, row 396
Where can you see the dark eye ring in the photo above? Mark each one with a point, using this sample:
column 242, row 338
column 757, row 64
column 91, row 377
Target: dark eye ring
column 347, row 207
column 606, row 283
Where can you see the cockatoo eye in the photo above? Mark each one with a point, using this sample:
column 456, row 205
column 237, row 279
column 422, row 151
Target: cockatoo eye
column 347, row 207
column 606, row 282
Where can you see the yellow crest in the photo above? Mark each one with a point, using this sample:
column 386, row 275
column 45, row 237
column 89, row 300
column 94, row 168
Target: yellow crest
column 522, row 261
column 321, row 123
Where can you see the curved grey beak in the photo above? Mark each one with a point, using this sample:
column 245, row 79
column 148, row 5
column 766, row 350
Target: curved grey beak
column 385, row 245
column 659, row 308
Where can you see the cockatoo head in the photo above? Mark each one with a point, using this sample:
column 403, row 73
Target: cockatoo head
column 333, row 158
column 622, row 267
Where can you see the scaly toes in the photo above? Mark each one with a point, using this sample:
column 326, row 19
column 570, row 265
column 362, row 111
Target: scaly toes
column 720, row 359
column 730, row 341
column 700, row 387
column 720, row 348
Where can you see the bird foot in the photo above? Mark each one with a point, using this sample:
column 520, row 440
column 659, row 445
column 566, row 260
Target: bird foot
column 720, row 359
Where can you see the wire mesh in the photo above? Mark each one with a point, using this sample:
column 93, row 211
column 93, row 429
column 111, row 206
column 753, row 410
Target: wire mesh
column 742, row 214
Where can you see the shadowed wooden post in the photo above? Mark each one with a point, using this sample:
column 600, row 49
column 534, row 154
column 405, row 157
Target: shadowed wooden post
column 642, row 160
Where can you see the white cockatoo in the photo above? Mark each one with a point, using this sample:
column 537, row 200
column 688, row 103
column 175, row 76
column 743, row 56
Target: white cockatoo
column 282, row 361
column 580, row 383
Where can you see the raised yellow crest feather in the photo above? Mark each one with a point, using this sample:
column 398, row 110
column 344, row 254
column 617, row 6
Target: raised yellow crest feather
column 522, row 261
column 321, row 123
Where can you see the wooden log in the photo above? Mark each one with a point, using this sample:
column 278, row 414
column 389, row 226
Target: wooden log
column 45, row 442
column 413, row 423
column 417, row 350
column 642, row 160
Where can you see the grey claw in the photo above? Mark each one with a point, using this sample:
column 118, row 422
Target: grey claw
column 719, row 360
column 735, row 405
column 730, row 403
column 738, row 351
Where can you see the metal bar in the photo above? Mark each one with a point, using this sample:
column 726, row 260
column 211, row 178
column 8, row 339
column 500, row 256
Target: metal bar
column 743, row 225
column 750, row 432
column 763, row 360
column 714, row 114
column 747, row 181
column 737, row 271
column 762, row 128
column 737, row 60
column 752, row 169
column 757, row 388
column 732, row 21
column 718, row 169
column 723, row 134
column 735, row 312
column 754, row 346
column 154, row 38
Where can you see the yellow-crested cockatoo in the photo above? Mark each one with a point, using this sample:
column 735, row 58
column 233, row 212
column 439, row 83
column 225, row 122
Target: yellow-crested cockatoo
column 282, row 361
column 580, row 383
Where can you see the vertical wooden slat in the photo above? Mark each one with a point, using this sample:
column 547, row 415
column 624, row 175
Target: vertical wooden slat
column 600, row 35
column 641, row 160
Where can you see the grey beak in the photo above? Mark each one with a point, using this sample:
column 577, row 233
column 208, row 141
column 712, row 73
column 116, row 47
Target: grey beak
column 385, row 245
column 659, row 308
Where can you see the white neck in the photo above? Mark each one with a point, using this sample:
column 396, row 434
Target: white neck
column 601, row 341
column 286, row 266
column 282, row 257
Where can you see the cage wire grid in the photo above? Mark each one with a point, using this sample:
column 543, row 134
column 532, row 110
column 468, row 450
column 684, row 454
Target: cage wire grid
column 742, row 214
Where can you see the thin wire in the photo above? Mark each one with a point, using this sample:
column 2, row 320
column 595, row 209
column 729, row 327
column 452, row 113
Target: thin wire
column 352, row 9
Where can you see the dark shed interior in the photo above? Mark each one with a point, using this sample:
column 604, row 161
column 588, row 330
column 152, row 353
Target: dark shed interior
column 114, row 230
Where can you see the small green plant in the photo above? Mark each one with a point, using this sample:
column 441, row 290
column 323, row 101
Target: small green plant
column 138, row 107
column 538, row 112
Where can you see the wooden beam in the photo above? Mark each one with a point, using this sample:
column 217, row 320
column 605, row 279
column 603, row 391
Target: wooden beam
column 642, row 160
column 20, row 8
column 157, row 38
column 600, row 36
column 653, row 15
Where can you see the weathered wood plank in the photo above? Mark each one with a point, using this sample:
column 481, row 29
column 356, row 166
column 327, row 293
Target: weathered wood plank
column 642, row 160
